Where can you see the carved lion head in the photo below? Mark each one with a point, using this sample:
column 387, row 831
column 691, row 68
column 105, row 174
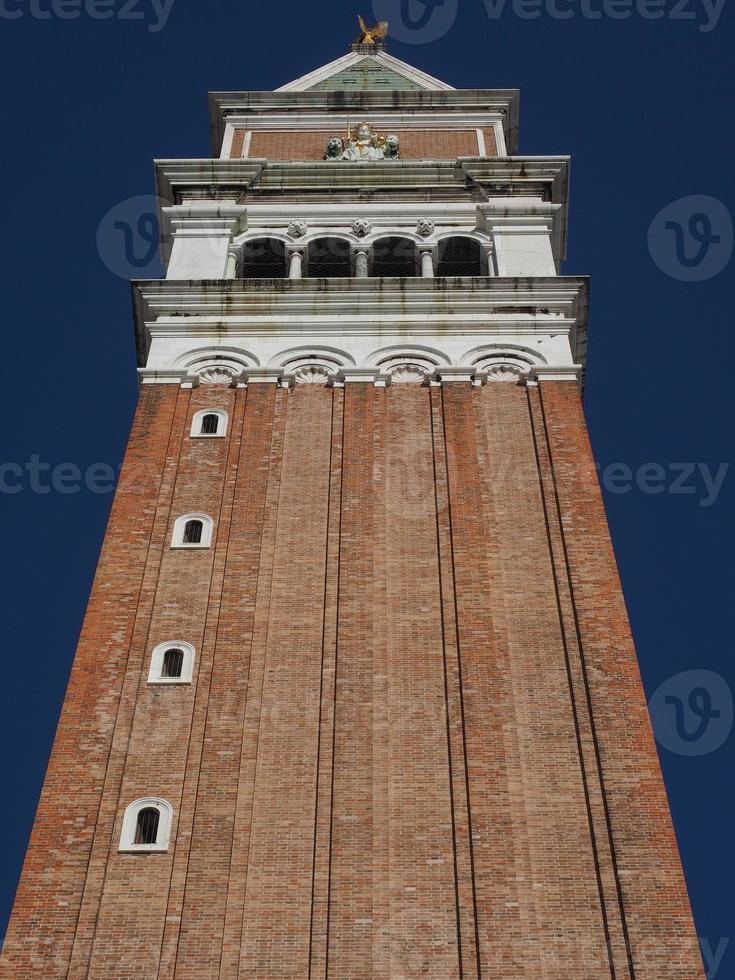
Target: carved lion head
column 392, row 147
column 334, row 148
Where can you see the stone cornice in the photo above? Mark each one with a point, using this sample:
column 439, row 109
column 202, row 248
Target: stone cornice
column 499, row 176
column 422, row 306
column 381, row 119
column 467, row 180
column 205, row 217
column 361, row 375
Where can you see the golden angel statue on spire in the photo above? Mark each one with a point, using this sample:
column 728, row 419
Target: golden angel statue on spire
column 372, row 35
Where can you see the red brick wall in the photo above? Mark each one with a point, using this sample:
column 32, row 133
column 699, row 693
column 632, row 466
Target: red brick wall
column 416, row 144
column 491, row 146
column 238, row 141
column 416, row 743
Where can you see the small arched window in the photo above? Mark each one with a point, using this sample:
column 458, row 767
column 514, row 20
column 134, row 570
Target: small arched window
column 146, row 825
column 192, row 531
column 209, row 423
column 172, row 663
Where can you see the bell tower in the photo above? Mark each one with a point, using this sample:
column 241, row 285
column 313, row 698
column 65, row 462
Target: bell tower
column 356, row 694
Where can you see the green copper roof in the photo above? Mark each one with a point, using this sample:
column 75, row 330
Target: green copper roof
column 366, row 75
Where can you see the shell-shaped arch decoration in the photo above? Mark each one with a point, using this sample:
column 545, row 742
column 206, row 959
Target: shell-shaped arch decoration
column 408, row 365
column 408, row 372
column 217, row 375
column 218, row 365
column 313, row 374
column 312, row 366
column 503, row 363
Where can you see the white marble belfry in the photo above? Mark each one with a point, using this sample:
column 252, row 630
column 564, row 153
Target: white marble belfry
column 505, row 314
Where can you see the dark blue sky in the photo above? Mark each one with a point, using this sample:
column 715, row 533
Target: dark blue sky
column 645, row 108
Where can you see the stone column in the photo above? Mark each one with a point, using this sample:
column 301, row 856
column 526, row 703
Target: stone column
column 296, row 265
column 361, row 265
column 427, row 260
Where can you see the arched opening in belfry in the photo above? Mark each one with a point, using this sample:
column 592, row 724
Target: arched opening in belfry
column 263, row 258
column 394, row 257
column 329, row 258
column 459, row 256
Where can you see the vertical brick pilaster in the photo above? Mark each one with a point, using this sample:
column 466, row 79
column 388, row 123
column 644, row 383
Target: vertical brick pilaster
column 422, row 905
column 380, row 958
column 661, row 932
column 350, row 891
column 493, row 766
column 248, row 748
column 320, row 905
column 280, row 861
column 466, row 897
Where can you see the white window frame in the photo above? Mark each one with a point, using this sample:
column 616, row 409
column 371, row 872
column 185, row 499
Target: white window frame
column 130, row 824
column 187, row 668
column 196, row 424
column 177, row 538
